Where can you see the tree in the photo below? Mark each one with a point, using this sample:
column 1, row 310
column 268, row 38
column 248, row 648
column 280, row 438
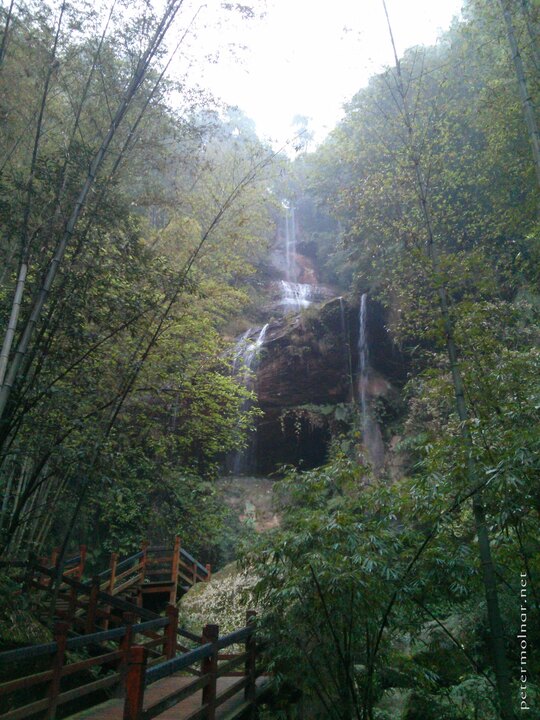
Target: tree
column 429, row 222
column 128, row 284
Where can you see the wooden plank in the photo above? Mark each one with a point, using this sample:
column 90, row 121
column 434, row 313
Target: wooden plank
column 232, row 663
column 27, row 710
column 83, row 664
column 130, row 571
column 153, row 643
column 190, row 706
column 25, row 682
column 186, row 578
column 172, row 699
column 156, row 661
column 239, row 710
column 77, row 692
column 129, row 583
column 162, row 588
column 163, row 559
column 231, row 691
column 198, row 714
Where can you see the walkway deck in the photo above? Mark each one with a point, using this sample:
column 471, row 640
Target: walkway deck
column 113, row 709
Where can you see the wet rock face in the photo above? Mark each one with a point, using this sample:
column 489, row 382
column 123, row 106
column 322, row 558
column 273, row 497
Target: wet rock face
column 305, row 360
column 386, row 358
column 251, row 499
column 312, row 359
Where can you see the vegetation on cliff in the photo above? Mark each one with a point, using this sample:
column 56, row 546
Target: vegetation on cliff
column 135, row 238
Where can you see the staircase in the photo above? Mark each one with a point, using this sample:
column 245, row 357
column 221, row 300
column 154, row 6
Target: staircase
column 106, row 640
column 154, row 576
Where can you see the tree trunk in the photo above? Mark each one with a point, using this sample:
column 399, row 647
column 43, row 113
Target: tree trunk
column 533, row 33
column 525, row 95
column 5, row 34
column 13, row 319
column 54, row 266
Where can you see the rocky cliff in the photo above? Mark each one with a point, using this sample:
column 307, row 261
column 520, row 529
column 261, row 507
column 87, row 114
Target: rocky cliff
column 305, row 361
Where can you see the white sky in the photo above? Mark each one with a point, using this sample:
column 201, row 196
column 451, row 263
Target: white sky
column 307, row 57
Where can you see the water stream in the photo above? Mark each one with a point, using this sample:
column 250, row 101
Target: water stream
column 295, row 296
column 290, row 244
column 345, row 333
column 363, row 362
column 246, row 356
column 371, row 433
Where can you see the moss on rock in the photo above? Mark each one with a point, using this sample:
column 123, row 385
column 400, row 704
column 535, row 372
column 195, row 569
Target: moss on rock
column 223, row 600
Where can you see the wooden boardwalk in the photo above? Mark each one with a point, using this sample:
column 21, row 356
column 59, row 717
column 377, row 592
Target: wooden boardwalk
column 154, row 667
column 113, row 709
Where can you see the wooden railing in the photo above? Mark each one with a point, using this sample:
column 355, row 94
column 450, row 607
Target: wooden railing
column 165, row 570
column 157, row 637
column 130, row 658
column 154, row 569
column 213, row 666
column 73, row 566
column 89, row 608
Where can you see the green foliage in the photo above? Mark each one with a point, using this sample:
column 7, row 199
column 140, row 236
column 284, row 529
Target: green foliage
column 125, row 402
column 18, row 625
column 223, row 600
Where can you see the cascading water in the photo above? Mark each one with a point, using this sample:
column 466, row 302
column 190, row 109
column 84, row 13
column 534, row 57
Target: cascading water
column 371, row 433
column 295, row 296
column 245, row 362
column 363, row 360
column 246, row 351
column 346, row 342
column 290, row 244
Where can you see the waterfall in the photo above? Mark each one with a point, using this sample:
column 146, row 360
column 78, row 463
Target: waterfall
column 246, row 351
column 371, row 433
column 346, row 341
column 290, row 244
column 295, row 296
column 363, row 361
column 245, row 362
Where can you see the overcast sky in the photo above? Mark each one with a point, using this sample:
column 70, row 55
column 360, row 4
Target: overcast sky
column 308, row 57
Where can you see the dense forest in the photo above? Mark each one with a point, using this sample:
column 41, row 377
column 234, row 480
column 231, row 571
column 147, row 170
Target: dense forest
column 181, row 303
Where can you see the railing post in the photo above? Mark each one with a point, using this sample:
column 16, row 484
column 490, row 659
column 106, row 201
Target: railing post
column 208, row 571
column 209, row 667
column 194, row 582
column 60, row 637
column 250, row 691
column 110, row 587
column 144, row 561
column 43, row 579
column 135, row 679
column 174, row 570
column 169, row 632
column 54, row 556
column 82, row 562
column 125, row 647
column 92, row 606
column 72, row 606
column 112, row 566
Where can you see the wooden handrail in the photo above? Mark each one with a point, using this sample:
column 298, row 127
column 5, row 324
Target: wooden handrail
column 91, row 605
column 185, row 554
column 52, row 678
column 208, row 653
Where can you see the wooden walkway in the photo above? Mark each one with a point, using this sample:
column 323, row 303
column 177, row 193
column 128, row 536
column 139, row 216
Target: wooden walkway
column 154, row 667
column 114, row 709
